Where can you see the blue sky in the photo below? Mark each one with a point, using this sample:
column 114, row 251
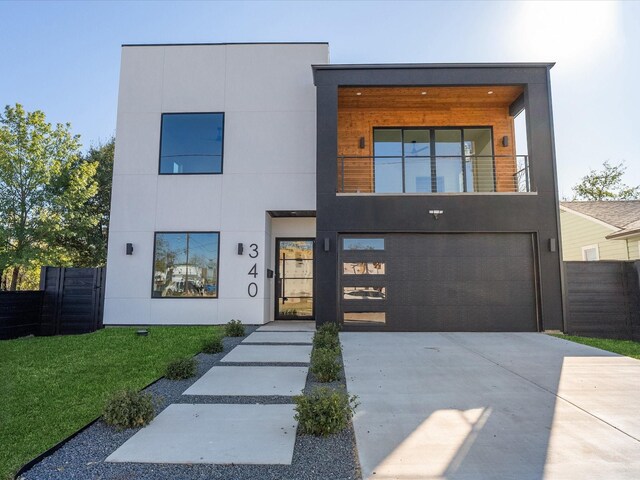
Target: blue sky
column 64, row 57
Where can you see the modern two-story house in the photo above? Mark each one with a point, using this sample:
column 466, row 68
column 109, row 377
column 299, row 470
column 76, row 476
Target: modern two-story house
column 261, row 182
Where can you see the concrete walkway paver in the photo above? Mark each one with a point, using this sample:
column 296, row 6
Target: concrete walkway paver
column 249, row 434
column 279, row 337
column 483, row 405
column 288, row 326
column 269, row 354
column 250, row 381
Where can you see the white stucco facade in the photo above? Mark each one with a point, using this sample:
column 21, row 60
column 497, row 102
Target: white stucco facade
column 268, row 98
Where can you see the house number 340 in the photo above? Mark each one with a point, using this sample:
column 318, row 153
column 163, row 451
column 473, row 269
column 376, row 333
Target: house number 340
column 252, row 288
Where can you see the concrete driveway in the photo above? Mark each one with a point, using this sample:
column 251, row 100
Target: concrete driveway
column 492, row 406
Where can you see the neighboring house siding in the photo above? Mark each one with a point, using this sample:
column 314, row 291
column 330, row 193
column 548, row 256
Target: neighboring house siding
column 633, row 247
column 578, row 232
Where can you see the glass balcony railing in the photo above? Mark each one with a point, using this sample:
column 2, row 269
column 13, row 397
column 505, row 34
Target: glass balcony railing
column 434, row 174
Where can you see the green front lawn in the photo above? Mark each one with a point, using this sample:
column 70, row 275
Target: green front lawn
column 52, row 386
column 623, row 347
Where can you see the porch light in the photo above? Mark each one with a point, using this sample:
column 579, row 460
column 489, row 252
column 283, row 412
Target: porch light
column 436, row 213
column 129, row 249
column 358, row 93
column 490, row 92
column 423, row 93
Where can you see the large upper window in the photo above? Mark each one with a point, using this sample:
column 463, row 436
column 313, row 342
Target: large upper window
column 191, row 143
column 186, row 265
column 424, row 160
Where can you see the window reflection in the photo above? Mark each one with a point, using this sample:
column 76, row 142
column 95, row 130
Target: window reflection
column 186, row 265
column 356, row 318
column 363, row 243
column 364, row 293
column 191, row 143
column 363, row 268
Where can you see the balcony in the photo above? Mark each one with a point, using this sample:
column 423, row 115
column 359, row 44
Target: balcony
column 433, row 174
column 432, row 140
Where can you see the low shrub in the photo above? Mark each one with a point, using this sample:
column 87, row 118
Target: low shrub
column 212, row 345
column 324, row 339
column 325, row 365
column 324, row 411
column 234, row 329
column 128, row 409
column 332, row 328
column 181, row 369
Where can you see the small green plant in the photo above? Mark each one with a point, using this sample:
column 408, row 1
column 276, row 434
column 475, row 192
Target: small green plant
column 128, row 409
column 325, row 365
column 325, row 339
column 324, row 411
column 234, row 329
column 289, row 312
column 332, row 328
column 181, row 368
column 212, row 345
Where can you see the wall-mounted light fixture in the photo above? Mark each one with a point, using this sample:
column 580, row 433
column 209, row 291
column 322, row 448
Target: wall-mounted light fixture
column 361, row 144
column 269, row 273
column 327, row 244
column 240, row 248
column 505, row 141
column 129, row 249
column 436, row 213
column 553, row 244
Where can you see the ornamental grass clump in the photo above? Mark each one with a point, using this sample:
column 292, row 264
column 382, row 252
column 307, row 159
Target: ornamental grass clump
column 234, row 329
column 212, row 345
column 325, row 339
column 325, row 365
column 324, row 411
column 332, row 328
column 128, row 409
column 181, row 368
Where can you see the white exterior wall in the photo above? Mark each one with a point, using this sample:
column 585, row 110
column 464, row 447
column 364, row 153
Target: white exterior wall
column 267, row 95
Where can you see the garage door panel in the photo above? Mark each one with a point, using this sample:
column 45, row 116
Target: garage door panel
column 455, row 282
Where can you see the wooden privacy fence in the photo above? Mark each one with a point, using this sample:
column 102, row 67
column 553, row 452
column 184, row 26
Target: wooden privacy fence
column 603, row 299
column 70, row 300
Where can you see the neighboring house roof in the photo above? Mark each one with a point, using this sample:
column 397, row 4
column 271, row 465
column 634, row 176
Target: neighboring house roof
column 623, row 216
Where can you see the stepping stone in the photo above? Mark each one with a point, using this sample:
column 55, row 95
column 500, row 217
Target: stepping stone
column 240, row 434
column 251, row 381
column 269, row 354
column 279, row 337
column 288, row 326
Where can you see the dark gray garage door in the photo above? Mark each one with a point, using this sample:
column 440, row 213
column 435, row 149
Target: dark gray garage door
column 439, row 282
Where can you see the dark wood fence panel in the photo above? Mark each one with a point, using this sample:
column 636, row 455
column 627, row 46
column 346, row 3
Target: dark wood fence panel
column 20, row 314
column 70, row 300
column 603, row 299
column 73, row 299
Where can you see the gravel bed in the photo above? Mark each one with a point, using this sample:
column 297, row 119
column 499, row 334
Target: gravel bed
column 82, row 458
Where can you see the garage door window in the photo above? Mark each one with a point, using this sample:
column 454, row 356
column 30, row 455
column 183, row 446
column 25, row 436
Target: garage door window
column 363, row 244
column 363, row 268
column 364, row 293
column 365, row 318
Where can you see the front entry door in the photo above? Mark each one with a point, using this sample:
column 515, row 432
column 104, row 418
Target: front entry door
column 294, row 279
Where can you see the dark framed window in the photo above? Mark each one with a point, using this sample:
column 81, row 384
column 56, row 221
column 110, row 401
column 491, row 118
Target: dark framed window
column 191, row 143
column 426, row 160
column 185, row 265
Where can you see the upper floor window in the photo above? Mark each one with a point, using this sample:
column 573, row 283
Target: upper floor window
column 424, row 160
column 191, row 143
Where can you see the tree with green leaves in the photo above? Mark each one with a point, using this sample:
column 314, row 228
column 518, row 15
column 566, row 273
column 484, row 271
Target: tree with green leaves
column 605, row 184
column 86, row 244
column 45, row 185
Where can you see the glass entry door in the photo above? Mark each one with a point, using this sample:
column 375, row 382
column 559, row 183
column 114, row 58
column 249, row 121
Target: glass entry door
column 294, row 278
